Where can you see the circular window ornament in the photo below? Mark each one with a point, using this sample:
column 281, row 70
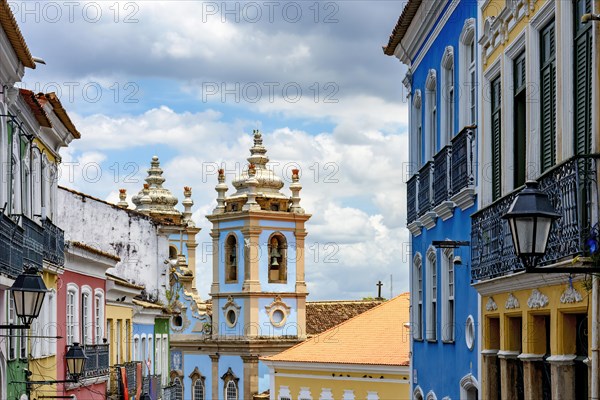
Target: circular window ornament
column 231, row 317
column 231, row 312
column 470, row 332
column 278, row 316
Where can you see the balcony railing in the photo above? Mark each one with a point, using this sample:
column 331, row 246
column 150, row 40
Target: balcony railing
column 462, row 172
column 411, row 198
column 11, row 247
column 97, row 363
column 425, row 188
column 441, row 176
column 571, row 188
column 54, row 243
column 170, row 393
column 33, row 243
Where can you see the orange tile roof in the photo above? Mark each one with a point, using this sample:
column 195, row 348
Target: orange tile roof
column 408, row 13
column 36, row 107
column 322, row 315
column 11, row 28
column 62, row 115
column 375, row 337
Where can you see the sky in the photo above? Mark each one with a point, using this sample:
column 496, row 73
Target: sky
column 188, row 81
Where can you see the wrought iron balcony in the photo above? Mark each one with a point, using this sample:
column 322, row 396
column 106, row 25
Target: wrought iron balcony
column 572, row 189
column 463, row 147
column 441, row 175
column 411, row 198
column 425, row 188
column 54, row 243
column 97, row 363
column 33, row 243
column 11, row 247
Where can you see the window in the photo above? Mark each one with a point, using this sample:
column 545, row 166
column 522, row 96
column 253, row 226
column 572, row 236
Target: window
column 72, row 314
column 231, row 259
column 136, row 348
column 548, row 96
column 127, row 340
column 44, row 328
column 165, row 355
column 417, row 131
column 178, row 389
column 431, row 295
column 231, row 392
column 26, row 185
column 150, row 353
column 431, row 114
column 86, row 315
column 467, row 75
column 197, row 385
column 118, row 336
column 447, row 96
column 99, row 316
column 496, row 138
column 109, row 334
column 417, row 292
column 582, row 56
column 158, row 354
column 143, row 352
column 448, row 293
column 12, row 319
column 520, row 120
column 277, row 249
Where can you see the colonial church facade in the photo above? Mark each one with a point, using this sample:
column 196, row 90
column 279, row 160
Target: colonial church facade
column 258, row 292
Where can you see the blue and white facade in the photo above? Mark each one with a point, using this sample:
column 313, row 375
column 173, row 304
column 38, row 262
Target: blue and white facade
column 437, row 41
column 258, row 290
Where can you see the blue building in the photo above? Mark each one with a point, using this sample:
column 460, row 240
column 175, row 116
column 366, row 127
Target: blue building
column 258, row 293
column 437, row 41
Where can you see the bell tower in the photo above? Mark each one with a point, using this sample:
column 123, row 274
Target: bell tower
column 258, row 233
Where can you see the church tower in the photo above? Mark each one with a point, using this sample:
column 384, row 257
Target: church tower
column 258, row 288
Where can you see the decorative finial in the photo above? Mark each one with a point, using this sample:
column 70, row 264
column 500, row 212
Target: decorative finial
column 221, row 188
column 295, row 187
column 188, row 203
column 123, row 199
column 252, row 183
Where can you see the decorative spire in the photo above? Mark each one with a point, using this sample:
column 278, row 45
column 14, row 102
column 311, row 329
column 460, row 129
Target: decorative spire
column 123, row 199
column 258, row 151
column 295, row 187
column 155, row 200
column 251, row 182
column 188, row 203
column 221, row 188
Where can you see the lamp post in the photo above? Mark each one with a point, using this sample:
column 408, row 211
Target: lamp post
column 28, row 292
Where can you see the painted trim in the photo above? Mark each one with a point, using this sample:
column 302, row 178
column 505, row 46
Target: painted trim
column 329, row 378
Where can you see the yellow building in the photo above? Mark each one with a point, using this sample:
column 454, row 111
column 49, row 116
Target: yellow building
column 537, row 122
column 365, row 357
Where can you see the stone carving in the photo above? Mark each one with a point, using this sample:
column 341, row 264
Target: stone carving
column 491, row 305
column 537, row 299
column 511, row 302
column 570, row 295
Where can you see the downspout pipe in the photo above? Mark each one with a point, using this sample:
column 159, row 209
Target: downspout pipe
column 595, row 388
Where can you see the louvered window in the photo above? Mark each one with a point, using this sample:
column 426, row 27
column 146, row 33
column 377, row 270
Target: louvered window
column 548, row 96
column 520, row 120
column 496, row 139
column 582, row 54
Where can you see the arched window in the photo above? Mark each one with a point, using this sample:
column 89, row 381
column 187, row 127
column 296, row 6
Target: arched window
column 178, row 391
column 72, row 313
column 418, row 297
column 467, row 74
column 431, row 331
column 431, row 114
column 231, row 259
column 98, row 316
column 230, row 386
column 197, row 385
column 448, row 97
column 448, row 295
column 277, row 249
column 417, row 122
column 86, row 315
column 143, row 354
column 173, row 253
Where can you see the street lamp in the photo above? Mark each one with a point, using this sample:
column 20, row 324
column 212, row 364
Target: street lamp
column 530, row 218
column 28, row 292
column 75, row 361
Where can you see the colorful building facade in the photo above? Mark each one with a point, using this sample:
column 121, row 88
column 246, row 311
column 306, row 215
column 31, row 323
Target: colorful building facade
column 539, row 74
column 437, row 41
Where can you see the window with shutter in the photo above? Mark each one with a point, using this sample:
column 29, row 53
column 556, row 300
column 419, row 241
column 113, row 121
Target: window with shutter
column 496, row 139
column 548, row 97
column 520, row 120
column 582, row 77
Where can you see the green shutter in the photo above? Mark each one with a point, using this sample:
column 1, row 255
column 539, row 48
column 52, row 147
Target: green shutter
column 548, row 97
column 496, row 140
column 582, row 79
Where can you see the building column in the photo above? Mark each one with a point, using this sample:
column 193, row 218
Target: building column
column 215, row 233
column 489, row 382
column 533, row 368
column 214, row 358
column 563, row 376
column 509, row 373
column 250, row 376
column 252, row 259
